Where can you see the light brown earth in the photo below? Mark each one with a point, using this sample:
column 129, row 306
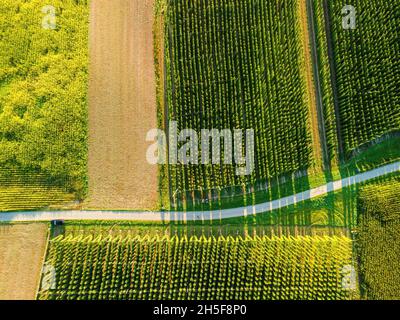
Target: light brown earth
column 122, row 105
column 22, row 249
column 311, row 92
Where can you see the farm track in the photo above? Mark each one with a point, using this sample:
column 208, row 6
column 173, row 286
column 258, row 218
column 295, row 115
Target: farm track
column 312, row 91
column 202, row 215
column 122, row 105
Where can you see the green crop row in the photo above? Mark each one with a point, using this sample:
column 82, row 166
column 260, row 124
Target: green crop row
column 198, row 268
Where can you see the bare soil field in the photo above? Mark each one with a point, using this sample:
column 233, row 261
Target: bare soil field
column 122, row 105
column 22, row 248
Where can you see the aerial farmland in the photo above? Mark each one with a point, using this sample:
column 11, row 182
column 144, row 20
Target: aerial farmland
column 202, row 150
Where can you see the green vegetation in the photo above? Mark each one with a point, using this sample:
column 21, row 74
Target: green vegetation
column 19, row 192
column 336, row 210
column 328, row 211
column 378, row 241
column 232, row 64
column 198, row 268
column 222, row 63
column 367, row 71
column 238, row 65
column 43, row 103
column 19, row 198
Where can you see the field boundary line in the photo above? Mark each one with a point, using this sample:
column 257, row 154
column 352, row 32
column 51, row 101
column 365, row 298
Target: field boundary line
column 202, row 215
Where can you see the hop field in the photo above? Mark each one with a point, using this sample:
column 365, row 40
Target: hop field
column 238, row 64
column 144, row 267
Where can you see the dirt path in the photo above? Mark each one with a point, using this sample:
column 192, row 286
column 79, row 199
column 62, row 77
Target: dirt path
column 311, row 92
column 22, row 248
column 318, row 87
column 122, row 105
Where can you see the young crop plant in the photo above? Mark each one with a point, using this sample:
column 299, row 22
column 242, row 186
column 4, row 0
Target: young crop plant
column 365, row 60
column 198, row 268
column 238, row 64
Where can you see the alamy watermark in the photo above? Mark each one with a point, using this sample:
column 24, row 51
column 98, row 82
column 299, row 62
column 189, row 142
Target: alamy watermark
column 187, row 148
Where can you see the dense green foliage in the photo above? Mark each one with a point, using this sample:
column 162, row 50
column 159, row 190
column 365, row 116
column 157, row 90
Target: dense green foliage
column 20, row 192
column 198, row 268
column 379, row 240
column 237, row 64
column 367, row 69
column 43, row 92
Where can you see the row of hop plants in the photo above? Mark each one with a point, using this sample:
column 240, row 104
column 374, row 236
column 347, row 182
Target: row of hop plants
column 237, row 64
column 203, row 268
column 367, row 70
